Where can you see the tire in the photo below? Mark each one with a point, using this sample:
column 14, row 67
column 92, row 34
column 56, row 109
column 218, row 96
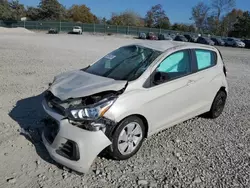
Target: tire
column 218, row 105
column 119, row 149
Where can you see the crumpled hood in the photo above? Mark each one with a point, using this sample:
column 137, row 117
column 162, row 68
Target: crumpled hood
column 75, row 84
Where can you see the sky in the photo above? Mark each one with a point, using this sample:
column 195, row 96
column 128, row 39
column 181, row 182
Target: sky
column 177, row 10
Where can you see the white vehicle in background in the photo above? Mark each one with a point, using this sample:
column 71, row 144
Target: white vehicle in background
column 77, row 29
column 233, row 42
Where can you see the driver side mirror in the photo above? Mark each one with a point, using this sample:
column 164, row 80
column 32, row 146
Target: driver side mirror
column 160, row 77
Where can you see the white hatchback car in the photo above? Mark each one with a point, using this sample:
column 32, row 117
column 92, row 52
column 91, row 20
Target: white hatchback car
column 77, row 29
column 128, row 95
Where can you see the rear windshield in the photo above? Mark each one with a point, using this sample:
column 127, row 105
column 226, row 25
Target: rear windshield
column 126, row 63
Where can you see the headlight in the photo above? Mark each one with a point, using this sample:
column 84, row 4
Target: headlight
column 92, row 112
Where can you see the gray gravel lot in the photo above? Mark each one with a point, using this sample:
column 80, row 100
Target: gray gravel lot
column 197, row 153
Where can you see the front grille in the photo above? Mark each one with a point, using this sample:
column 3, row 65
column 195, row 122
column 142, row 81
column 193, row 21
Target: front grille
column 69, row 150
column 54, row 103
column 50, row 130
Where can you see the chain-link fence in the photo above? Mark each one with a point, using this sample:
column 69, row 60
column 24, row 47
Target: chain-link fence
column 98, row 28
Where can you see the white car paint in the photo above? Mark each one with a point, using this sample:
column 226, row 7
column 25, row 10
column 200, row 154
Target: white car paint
column 77, row 29
column 162, row 106
column 173, row 102
column 235, row 43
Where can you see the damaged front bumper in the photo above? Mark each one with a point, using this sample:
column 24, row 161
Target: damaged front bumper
column 72, row 146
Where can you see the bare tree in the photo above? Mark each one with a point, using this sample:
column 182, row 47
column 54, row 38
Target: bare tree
column 156, row 17
column 200, row 14
column 221, row 7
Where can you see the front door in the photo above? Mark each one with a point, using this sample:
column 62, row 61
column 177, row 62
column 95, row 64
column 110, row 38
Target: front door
column 172, row 92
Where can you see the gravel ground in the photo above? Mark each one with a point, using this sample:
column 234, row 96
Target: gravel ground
column 196, row 153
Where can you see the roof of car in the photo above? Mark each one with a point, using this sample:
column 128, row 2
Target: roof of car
column 165, row 45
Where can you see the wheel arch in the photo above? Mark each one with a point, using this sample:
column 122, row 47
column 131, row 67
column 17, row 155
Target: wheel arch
column 223, row 88
column 144, row 120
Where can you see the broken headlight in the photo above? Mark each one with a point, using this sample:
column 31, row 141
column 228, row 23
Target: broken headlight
column 91, row 112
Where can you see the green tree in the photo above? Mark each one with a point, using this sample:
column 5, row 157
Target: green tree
column 51, row 10
column 17, row 10
column 81, row 13
column 242, row 27
column 33, row 13
column 156, row 17
column 183, row 27
column 12, row 10
column 126, row 18
column 228, row 21
column 5, row 11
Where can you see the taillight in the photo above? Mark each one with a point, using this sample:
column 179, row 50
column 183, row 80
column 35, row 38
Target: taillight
column 225, row 70
column 224, row 67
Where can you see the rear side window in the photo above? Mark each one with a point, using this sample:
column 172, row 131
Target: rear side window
column 205, row 58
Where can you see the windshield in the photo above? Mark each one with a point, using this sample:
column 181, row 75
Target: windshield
column 126, row 63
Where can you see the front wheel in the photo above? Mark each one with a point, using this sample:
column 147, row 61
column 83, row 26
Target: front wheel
column 127, row 138
column 218, row 105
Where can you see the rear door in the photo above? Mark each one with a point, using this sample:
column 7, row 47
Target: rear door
column 205, row 79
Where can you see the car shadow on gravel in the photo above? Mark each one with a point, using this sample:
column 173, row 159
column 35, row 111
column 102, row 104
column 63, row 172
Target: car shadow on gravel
column 29, row 114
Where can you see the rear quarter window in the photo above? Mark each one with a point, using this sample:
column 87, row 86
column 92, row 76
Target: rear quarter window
column 205, row 59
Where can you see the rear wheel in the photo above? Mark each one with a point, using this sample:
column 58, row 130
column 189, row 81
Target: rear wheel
column 127, row 138
column 218, row 105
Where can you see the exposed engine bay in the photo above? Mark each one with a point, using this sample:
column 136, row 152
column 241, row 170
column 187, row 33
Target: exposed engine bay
column 86, row 101
column 95, row 123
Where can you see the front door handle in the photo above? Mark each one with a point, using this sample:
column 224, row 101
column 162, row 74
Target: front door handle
column 190, row 82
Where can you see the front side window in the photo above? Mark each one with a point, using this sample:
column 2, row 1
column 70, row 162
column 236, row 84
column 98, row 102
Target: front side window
column 125, row 63
column 176, row 65
column 205, row 59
